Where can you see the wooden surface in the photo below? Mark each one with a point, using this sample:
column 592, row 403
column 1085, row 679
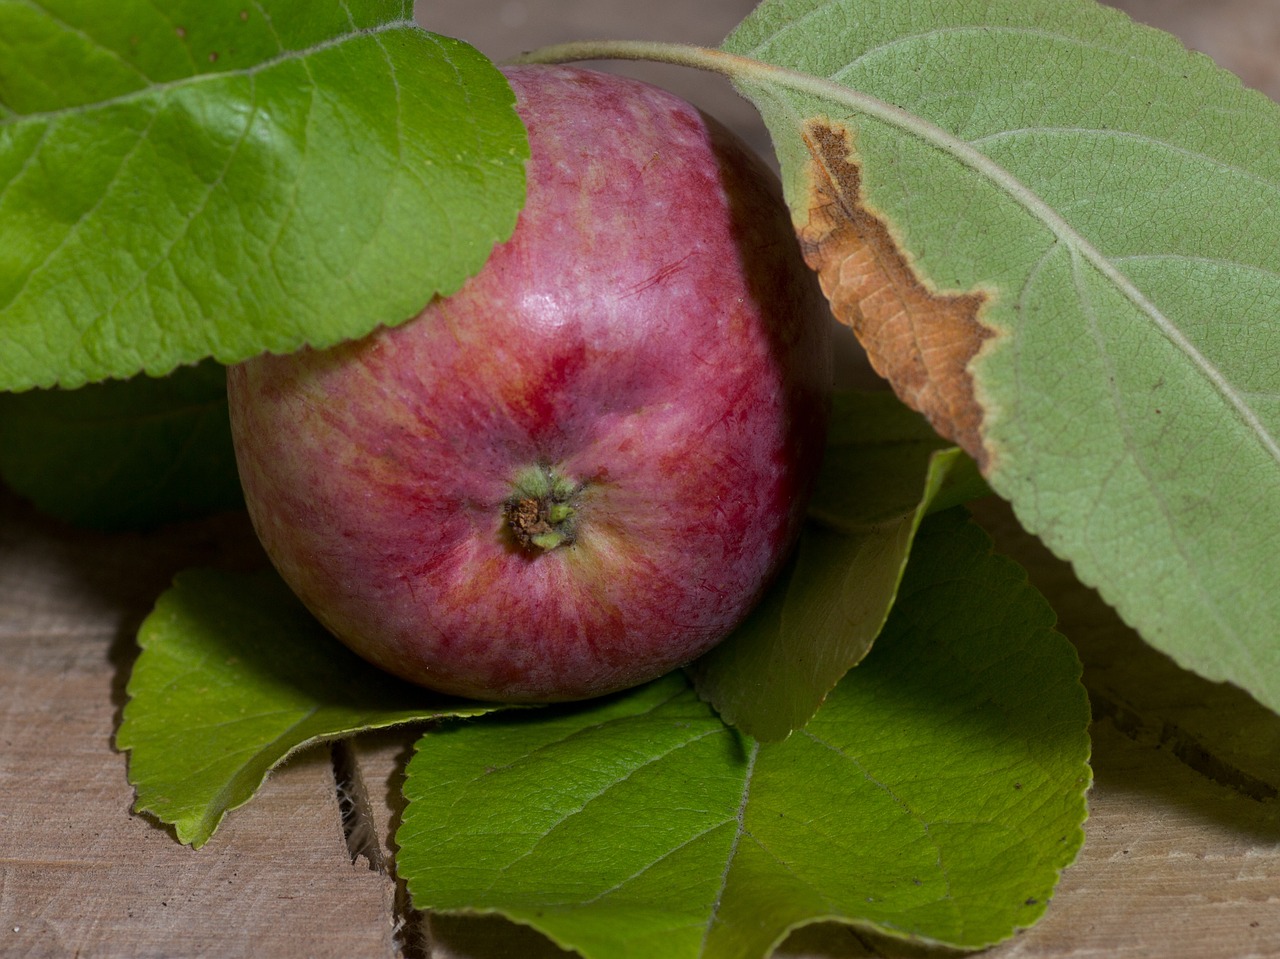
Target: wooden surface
column 80, row 876
column 1183, row 850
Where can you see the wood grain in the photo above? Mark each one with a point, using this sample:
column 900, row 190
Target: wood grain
column 80, row 875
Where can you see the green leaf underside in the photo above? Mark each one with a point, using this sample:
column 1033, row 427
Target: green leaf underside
column 937, row 794
column 218, row 179
column 123, row 454
column 883, row 470
column 1119, row 200
column 234, row 676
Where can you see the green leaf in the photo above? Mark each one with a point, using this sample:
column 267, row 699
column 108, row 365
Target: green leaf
column 123, row 454
column 937, row 794
column 883, row 461
column 234, row 677
column 884, row 469
column 1058, row 233
column 209, row 178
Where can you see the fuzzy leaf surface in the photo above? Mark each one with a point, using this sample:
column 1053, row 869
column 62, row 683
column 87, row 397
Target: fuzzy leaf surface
column 884, row 469
column 234, row 676
column 937, row 793
column 124, row 454
column 214, row 178
column 1058, row 234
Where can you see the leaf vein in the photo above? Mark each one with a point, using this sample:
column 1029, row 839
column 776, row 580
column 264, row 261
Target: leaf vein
column 898, row 801
column 285, row 56
column 85, row 36
column 741, row 828
column 565, row 817
column 1165, row 145
column 75, row 228
column 667, row 854
column 1133, row 448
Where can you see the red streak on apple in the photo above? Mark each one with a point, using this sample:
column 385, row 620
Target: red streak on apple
column 583, row 469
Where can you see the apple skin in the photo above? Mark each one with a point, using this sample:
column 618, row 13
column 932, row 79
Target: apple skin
column 649, row 340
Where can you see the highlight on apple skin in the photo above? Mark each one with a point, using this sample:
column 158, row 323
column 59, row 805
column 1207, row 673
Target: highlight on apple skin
column 582, row 470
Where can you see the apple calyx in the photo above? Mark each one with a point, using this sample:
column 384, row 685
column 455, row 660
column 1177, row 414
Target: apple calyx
column 542, row 512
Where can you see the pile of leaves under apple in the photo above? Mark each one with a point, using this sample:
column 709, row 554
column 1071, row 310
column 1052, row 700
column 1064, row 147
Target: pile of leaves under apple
column 578, row 473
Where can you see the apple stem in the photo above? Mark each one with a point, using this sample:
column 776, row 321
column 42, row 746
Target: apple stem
column 542, row 513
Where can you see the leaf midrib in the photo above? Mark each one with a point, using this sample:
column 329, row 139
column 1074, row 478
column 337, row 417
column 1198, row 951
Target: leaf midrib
column 757, row 72
column 740, row 829
column 1104, row 133
column 159, row 89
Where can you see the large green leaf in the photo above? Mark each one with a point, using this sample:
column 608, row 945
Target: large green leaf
column 214, row 178
column 123, row 454
column 936, row 794
column 1058, row 234
column 884, row 470
column 234, row 677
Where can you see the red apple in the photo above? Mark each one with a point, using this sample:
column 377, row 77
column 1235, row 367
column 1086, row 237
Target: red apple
column 580, row 471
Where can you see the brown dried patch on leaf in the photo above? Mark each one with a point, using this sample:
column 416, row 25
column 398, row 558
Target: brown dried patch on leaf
column 919, row 339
